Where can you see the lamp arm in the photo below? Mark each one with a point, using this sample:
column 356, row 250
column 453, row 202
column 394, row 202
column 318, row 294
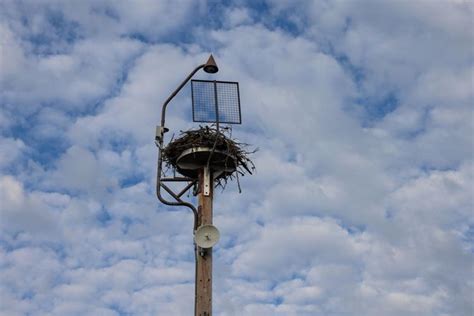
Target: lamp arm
column 159, row 142
column 175, row 92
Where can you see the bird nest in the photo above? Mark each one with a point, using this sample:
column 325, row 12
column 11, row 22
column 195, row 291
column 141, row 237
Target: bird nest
column 218, row 141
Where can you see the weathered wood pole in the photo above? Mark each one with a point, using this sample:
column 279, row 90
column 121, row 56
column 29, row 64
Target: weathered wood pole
column 203, row 300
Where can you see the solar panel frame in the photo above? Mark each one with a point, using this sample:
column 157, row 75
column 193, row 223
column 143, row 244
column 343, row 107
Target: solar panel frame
column 216, row 101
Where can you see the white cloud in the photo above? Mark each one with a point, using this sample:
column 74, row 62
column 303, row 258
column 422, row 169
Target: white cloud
column 237, row 16
column 79, row 171
column 26, row 212
column 11, row 150
column 354, row 209
column 73, row 81
column 286, row 248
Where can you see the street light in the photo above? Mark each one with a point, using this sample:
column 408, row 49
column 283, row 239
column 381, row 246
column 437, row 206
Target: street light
column 210, row 67
column 202, row 165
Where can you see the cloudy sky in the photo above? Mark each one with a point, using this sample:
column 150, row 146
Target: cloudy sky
column 362, row 203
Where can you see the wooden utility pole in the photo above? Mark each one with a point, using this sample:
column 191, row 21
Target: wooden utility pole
column 203, row 300
column 192, row 159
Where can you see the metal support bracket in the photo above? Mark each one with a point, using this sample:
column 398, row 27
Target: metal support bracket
column 202, row 252
column 207, row 181
column 159, row 132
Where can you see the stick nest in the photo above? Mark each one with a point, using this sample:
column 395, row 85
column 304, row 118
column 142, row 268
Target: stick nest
column 216, row 140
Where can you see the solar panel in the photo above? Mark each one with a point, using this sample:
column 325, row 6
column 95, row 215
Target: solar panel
column 216, row 101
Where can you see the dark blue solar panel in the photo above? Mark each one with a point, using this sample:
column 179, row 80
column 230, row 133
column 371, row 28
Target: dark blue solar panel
column 216, row 101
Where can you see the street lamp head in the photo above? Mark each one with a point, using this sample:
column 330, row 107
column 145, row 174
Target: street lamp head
column 211, row 66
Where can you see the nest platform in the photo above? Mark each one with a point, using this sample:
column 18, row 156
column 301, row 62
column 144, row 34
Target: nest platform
column 195, row 158
column 198, row 148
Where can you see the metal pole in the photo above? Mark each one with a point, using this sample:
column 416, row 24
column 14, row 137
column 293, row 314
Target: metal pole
column 159, row 139
column 203, row 299
column 217, row 106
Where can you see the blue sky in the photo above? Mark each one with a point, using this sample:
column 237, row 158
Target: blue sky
column 362, row 203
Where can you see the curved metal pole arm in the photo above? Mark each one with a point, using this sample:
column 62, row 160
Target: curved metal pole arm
column 175, row 92
column 160, row 141
column 178, row 203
